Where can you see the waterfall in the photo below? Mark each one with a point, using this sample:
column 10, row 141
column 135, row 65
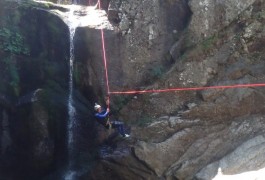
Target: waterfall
column 71, row 108
column 78, row 16
column 72, row 24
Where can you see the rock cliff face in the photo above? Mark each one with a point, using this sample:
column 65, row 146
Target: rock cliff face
column 34, row 46
column 188, row 135
column 148, row 29
column 150, row 44
column 209, row 17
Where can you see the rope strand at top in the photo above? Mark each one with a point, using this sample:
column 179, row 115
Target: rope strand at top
column 105, row 61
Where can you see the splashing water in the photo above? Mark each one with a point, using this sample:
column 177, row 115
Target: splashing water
column 77, row 16
column 71, row 109
column 70, row 175
column 72, row 24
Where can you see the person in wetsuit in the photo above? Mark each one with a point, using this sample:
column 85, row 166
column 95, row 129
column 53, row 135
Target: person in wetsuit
column 102, row 118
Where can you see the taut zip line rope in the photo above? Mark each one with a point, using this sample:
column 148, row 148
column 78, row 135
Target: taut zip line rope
column 186, row 89
column 160, row 90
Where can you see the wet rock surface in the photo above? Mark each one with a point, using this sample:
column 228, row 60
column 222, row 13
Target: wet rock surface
column 151, row 45
column 185, row 134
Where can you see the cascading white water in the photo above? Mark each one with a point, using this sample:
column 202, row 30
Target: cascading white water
column 77, row 16
column 72, row 24
column 71, row 108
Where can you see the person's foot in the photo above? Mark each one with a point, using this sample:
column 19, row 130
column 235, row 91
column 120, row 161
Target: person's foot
column 126, row 135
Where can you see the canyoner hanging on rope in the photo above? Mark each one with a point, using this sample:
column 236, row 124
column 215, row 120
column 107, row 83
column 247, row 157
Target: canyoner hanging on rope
column 102, row 118
column 105, row 114
column 102, row 115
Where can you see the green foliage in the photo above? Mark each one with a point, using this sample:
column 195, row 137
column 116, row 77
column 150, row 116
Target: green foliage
column 143, row 121
column 46, row 5
column 13, row 74
column 120, row 102
column 183, row 57
column 209, row 42
column 259, row 15
column 157, row 71
column 237, row 36
column 14, row 80
column 13, row 42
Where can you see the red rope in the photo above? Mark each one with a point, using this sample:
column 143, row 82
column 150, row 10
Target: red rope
column 187, row 89
column 160, row 90
column 105, row 62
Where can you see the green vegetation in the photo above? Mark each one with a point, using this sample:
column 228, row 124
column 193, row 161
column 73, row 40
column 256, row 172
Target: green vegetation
column 143, row 121
column 120, row 102
column 183, row 57
column 237, row 36
column 13, row 74
column 209, row 42
column 157, row 71
column 259, row 15
column 12, row 41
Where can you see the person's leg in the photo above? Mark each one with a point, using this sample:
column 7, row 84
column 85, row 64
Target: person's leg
column 119, row 126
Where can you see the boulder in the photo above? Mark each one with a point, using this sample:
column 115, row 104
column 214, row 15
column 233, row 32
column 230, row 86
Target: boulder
column 246, row 161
